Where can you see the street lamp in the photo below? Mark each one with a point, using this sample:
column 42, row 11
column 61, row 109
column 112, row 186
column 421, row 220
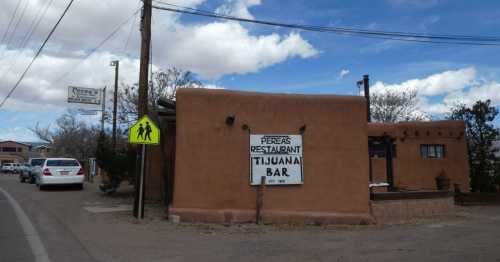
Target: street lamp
column 116, row 64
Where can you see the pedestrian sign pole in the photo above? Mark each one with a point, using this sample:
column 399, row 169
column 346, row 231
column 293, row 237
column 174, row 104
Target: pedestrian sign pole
column 143, row 132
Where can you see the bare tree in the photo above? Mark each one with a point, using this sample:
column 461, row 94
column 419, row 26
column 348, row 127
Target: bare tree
column 70, row 137
column 393, row 107
column 164, row 85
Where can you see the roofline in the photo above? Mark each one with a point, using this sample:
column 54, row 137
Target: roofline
column 12, row 141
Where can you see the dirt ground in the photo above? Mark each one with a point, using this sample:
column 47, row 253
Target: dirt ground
column 473, row 234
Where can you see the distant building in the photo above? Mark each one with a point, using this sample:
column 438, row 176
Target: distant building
column 13, row 152
column 43, row 150
column 18, row 152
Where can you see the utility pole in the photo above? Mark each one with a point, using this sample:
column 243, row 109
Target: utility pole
column 116, row 64
column 145, row 52
column 103, row 109
column 142, row 105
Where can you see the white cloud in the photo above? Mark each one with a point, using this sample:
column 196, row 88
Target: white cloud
column 343, row 73
column 210, row 50
column 215, row 49
column 437, row 93
column 238, row 8
column 437, row 84
column 39, row 91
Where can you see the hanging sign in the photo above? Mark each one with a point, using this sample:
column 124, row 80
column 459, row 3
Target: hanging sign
column 278, row 158
column 84, row 95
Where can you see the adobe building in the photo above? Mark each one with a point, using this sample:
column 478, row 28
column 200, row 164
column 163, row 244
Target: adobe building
column 421, row 151
column 13, row 152
column 318, row 154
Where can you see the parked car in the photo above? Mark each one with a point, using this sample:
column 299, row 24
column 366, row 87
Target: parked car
column 34, row 162
column 59, row 171
column 8, row 168
column 24, row 172
column 17, row 167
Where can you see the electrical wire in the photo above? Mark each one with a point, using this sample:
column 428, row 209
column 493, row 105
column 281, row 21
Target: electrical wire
column 11, row 36
column 130, row 32
column 37, row 54
column 400, row 36
column 10, row 22
column 33, row 28
column 34, row 25
column 64, row 75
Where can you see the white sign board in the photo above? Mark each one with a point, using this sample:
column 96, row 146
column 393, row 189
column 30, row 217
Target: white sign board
column 84, row 95
column 278, row 158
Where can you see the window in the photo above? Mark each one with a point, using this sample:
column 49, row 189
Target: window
column 8, row 149
column 62, row 163
column 432, row 151
column 19, row 149
column 37, row 161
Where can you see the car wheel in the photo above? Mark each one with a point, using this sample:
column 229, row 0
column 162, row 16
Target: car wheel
column 21, row 178
column 79, row 186
column 32, row 180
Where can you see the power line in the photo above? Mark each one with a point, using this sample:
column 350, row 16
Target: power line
column 12, row 35
column 400, row 36
column 130, row 32
column 37, row 54
column 64, row 75
column 10, row 22
column 34, row 25
column 33, row 28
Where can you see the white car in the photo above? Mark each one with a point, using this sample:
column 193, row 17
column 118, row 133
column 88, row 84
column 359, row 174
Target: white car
column 9, row 167
column 59, row 171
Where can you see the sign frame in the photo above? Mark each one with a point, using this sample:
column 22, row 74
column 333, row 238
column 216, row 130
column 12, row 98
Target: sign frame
column 154, row 128
column 85, row 95
column 293, row 151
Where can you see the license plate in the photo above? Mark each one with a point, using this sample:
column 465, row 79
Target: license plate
column 64, row 173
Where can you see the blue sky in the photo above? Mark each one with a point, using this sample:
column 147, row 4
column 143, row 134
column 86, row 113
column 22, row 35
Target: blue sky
column 222, row 53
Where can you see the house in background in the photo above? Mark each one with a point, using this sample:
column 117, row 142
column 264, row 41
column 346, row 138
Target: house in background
column 43, row 150
column 13, row 152
column 19, row 152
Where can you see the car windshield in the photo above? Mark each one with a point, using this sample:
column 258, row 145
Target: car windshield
column 37, row 162
column 68, row 162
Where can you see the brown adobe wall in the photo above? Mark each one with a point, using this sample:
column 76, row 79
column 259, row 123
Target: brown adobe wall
column 406, row 210
column 212, row 158
column 413, row 172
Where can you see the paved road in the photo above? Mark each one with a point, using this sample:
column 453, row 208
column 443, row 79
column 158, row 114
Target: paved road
column 58, row 239
column 13, row 241
column 71, row 233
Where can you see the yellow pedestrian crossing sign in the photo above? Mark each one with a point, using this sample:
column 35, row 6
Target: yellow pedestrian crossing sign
column 144, row 131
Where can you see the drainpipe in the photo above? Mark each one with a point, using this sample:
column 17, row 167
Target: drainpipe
column 366, row 85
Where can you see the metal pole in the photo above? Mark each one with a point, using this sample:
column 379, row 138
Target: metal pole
column 366, row 84
column 103, row 109
column 140, row 210
column 142, row 103
column 116, row 64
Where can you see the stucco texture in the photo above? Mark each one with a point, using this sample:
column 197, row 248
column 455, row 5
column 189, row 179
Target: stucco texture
column 212, row 158
column 411, row 170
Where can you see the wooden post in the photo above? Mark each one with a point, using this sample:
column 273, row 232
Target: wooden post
column 260, row 200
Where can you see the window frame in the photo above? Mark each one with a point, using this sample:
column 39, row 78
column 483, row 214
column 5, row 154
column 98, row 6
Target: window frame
column 432, row 151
